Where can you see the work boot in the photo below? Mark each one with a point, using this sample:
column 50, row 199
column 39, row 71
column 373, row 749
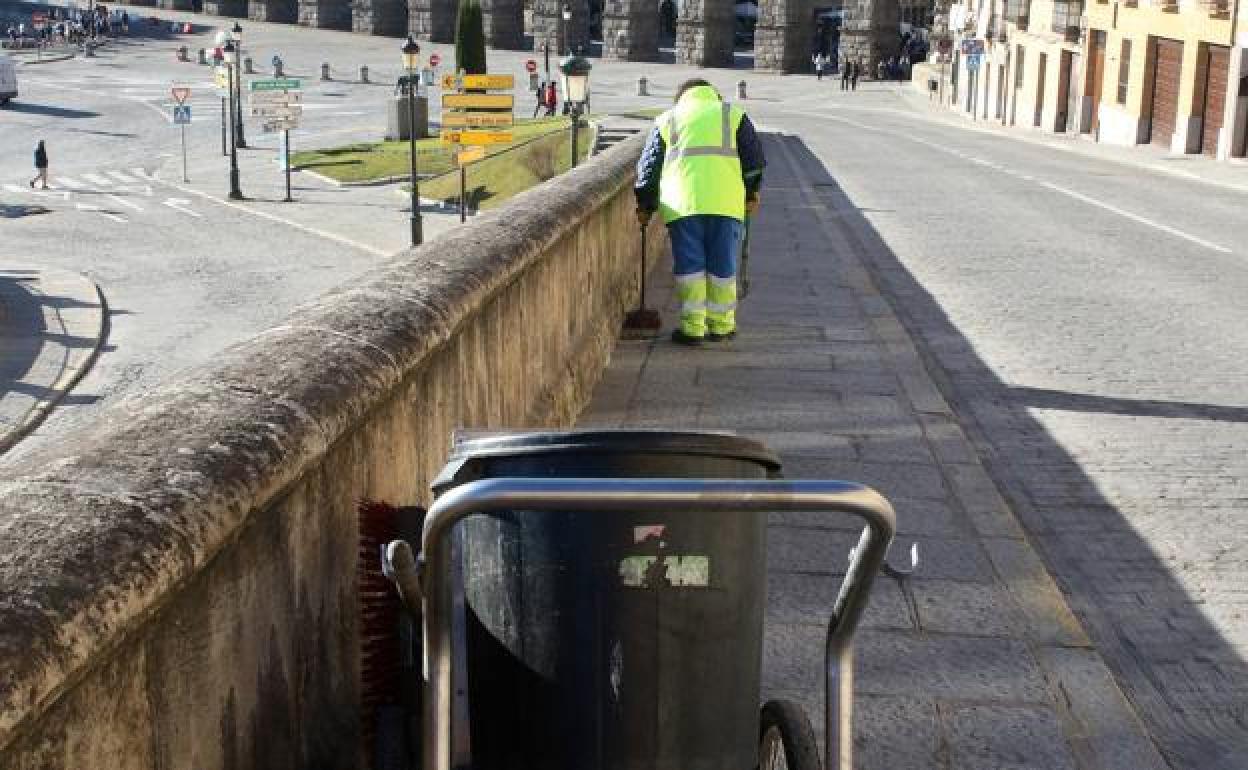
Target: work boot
column 680, row 338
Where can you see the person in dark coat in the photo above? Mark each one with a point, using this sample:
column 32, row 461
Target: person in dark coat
column 41, row 166
column 856, row 73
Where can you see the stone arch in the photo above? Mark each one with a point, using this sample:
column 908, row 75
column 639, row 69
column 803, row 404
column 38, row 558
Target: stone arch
column 379, row 17
column 704, row 33
column 237, row 8
column 273, row 10
column 432, row 20
column 784, row 35
column 630, row 30
column 325, row 14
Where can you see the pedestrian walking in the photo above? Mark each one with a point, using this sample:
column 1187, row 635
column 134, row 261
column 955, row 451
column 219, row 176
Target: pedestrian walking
column 539, row 98
column 552, row 99
column 855, row 73
column 846, row 71
column 41, row 166
column 820, row 61
column 701, row 169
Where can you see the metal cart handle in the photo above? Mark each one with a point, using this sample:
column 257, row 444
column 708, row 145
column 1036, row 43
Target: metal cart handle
column 670, row 496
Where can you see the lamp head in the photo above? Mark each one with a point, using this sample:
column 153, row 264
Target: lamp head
column 411, row 54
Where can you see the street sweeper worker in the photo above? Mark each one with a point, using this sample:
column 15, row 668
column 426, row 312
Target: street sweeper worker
column 701, row 169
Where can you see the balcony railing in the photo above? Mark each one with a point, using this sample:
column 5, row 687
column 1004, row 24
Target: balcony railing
column 1066, row 20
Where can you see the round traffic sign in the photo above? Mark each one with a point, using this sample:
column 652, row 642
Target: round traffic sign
column 530, row 65
column 434, row 60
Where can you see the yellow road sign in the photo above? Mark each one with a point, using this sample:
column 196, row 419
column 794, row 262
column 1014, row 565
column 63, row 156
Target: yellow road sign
column 477, row 120
column 478, row 101
column 476, row 137
column 453, row 82
column 470, row 155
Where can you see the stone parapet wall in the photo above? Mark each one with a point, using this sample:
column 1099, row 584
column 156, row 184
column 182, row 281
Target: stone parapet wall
column 180, row 578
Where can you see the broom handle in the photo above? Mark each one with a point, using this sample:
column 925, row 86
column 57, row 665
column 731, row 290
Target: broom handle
column 641, row 302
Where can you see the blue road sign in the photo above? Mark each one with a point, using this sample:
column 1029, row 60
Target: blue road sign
column 182, row 114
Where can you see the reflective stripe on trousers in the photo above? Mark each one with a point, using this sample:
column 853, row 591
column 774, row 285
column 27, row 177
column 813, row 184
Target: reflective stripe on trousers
column 691, row 291
column 721, row 304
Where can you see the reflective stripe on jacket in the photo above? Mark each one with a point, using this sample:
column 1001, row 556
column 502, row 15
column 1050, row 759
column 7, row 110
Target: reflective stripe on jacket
column 701, row 168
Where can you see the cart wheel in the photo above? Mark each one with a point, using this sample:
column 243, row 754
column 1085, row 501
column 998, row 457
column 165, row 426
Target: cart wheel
column 786, row 740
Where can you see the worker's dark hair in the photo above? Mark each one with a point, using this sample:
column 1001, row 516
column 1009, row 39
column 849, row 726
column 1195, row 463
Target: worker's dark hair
column 690, row 83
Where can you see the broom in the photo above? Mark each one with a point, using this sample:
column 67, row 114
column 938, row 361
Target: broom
column 644, row 322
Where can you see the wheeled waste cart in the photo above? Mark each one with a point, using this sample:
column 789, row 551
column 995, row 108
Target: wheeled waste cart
column 594, row 601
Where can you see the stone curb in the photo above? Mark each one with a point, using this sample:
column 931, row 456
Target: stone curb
column 85, row 291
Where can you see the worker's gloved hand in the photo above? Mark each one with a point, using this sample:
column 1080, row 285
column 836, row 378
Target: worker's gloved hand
column 752, row 202
column 643, row 216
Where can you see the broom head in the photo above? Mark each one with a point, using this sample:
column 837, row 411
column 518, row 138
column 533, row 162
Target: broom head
column 641, row 324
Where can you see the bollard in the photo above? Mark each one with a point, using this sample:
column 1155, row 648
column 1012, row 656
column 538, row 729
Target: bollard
column 277, row 67
column 182, row 54
column 641, row 87
column 88, row 49
column 248, row 66
column 203, row 56
column 363, row 73
column 741, row 90
column 325, row 71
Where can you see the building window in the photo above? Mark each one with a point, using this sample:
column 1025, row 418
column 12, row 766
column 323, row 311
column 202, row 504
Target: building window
column 1124, row 71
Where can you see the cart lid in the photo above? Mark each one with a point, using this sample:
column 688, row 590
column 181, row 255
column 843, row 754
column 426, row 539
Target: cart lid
column 470, row 446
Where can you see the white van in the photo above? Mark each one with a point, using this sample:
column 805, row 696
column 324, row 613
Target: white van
column 8, row 78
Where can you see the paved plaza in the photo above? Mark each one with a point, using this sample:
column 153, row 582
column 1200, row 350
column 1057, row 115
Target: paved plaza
column 1023, row 342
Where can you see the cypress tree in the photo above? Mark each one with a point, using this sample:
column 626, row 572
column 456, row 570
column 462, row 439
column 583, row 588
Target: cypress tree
column 470, row 38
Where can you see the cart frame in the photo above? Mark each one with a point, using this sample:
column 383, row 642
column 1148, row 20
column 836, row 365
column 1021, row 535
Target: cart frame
column 666, row 496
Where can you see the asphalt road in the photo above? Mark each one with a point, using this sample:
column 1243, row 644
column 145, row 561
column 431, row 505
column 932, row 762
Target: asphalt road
column 1085, row 316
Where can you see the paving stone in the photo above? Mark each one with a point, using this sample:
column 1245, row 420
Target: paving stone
column 800, row 598
column 975, row 609
column 1006, row 738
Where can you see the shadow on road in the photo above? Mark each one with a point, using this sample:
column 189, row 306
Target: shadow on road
column 1188, row 683
column 50, row 111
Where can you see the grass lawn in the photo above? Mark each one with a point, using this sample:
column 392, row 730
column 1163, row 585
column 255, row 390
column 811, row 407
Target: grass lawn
column 379, row 160
column 499, row 176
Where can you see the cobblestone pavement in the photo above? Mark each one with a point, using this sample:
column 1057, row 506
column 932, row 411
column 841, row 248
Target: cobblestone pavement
column 974, row 662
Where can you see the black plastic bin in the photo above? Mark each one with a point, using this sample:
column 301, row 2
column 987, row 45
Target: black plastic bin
column 608, row 642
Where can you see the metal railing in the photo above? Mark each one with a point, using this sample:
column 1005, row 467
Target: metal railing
column 599, row 497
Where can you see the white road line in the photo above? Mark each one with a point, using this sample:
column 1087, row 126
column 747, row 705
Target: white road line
column 1047, row 185
column 1136, row 217
column 280, row 220
column 100, row 211
column 98, row 180
column 179, row 204
column 121, row 176
column 125, row 202
column 65, row 181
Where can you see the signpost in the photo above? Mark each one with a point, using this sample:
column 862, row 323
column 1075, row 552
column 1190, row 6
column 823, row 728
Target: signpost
column 221, row 79
column 181, row 117
column 475, row 119
column 530, row 66
column 279, row 103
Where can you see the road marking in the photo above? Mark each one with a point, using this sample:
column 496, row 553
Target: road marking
column 63, row 195
column 97, row 180
column 100, row 211
column 65, row 181
column 125, row 202
column 281, row 220
column 120, row 175
column 1137, row 218
column 178, row 204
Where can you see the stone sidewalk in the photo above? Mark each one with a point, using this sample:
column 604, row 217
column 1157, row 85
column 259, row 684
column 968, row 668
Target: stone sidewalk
column 52, row 323
column 975, row 661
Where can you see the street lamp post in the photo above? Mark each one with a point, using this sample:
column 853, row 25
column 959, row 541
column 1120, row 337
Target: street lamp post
column 231, row 62
column 565, row 14
column 411, row 62
column 575, row 70
column 239, row 137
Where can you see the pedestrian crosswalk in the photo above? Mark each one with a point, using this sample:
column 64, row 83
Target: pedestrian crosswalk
column 116, row 195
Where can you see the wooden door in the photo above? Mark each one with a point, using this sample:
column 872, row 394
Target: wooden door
column 1096, row 76
column 1041, row 71
column 1061, row 121
column 1166, row 78
column 1217, row 71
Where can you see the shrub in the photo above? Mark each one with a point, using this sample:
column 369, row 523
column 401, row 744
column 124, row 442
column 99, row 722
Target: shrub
column 470, row 39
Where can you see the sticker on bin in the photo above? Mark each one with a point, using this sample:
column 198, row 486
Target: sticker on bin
column 649, row 532
column 662, row 571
